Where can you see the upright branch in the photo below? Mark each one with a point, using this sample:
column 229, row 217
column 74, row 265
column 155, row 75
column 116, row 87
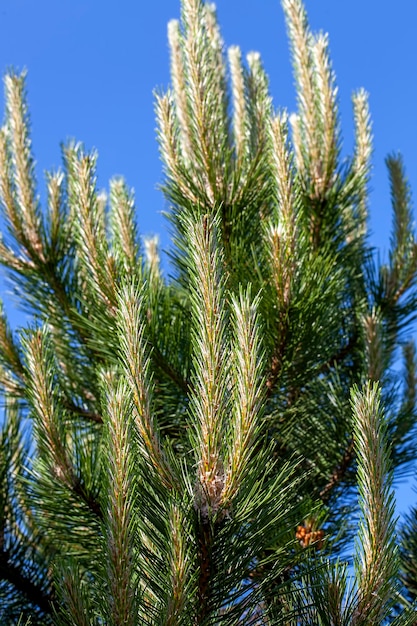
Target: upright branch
column 88, row 216
column 376, row 563
column 74, row 603
column 135, row 358
column 120, row 552
column 240, row 114
column 329, row 599
column 180, row 564
column 209, row 403
column 327, row 108
column 200, row 96
column 41, row 380
column 281, row 238
column 25, row 210
column 403, row 254
column 361, row 166
column 301, row 44
column 248, row 393
column 209, row 400
column 11, row 366
column 316, row 131
column 123, row 228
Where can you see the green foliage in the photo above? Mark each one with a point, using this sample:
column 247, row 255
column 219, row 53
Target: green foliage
column 187, row 451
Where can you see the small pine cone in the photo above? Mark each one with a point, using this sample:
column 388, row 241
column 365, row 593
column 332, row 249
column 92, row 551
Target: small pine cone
column 306, row 536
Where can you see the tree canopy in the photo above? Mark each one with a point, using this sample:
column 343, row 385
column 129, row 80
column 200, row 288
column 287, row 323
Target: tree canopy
column 188, row 450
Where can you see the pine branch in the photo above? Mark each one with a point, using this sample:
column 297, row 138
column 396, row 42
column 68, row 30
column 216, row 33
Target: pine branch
column 48, row 411
column 248, row 394
column 10, row 358
column 403, row 253
column 35, row 594
column 134, row 356
column 240, row 115
column 354, row 191
column 119, row 525
column 26, row 212
column 376, row 563
column 46, row 407
column 73, row 608
column 180, row 565
column 209, row 399
column 123, row 228
column 209, row 403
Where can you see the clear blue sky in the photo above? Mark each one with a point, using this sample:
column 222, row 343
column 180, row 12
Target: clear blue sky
column 93, row 65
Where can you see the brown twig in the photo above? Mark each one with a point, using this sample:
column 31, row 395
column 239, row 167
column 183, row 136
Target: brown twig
column 338, row 473
column 163, row 364
column 35, row 594
column 88, row 499
column 84, row 413
column 205, row 541
column 277, row 358
column 341, row 355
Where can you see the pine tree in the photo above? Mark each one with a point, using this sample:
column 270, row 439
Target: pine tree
column 188, row 450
